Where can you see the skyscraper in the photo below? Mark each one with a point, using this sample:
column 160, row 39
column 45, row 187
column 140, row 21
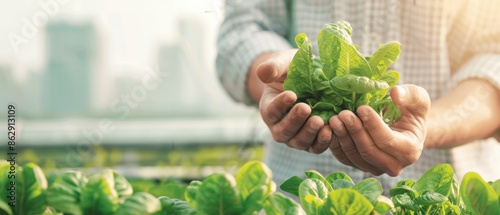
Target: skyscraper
column 71, row 62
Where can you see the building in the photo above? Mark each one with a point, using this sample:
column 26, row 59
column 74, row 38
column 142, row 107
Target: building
column 71, row 63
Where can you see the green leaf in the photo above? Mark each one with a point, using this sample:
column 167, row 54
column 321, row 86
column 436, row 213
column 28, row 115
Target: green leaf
column 346, row 202
column 437, row 178
column 369, row 188
column 404, row 201
column 358, row 84
column 292, row 185
column 5, row 208
column 99, row 195
column 349, row 58
column 172, row 206
column 383, row 205
column 403, row 189
column 338, row 175
column 64, row 194
column 251, row 176
column 301, row 77
column 192, row 192
column 218, row 195
column 478, row 195
column 279, row 204
column 140, row 204
column 317, row 175
column 31, row 194
column 392, row 113
column 312, row 193
column 255, row 201
column 122, row 186
column 429, row 197
column 496, row 187
column 341, row 183
column 384, row 57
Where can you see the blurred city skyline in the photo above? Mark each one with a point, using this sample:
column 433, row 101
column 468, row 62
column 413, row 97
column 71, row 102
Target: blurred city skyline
column 82, row 73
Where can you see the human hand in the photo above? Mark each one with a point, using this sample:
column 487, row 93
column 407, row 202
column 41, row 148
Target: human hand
column 367, row 143
column 289, row 124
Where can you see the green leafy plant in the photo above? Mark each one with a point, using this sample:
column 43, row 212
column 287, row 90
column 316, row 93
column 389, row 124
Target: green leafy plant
column 435, row 192
column 250, row 191
column 480, row 197
column 341, row 78
column 23, row 190
column 337, row 194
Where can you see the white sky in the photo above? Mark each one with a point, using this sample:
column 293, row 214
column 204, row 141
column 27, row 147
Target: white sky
column 130, row 31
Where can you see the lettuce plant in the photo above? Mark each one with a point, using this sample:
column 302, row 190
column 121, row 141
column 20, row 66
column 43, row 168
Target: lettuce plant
column 435, row 192
column 341, row 78
column 337, row 194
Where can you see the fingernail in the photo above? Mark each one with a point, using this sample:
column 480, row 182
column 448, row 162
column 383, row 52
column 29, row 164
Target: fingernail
column 401, row 93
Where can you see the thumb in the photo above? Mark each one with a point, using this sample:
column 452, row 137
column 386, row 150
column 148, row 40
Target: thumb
column 411, row 100
column 275, row 67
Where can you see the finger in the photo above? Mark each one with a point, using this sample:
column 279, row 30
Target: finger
column 411, row 100
column 322, row 141
column 348, row 146
column 366, row 147
column 338, row 153
column 274, row 107
column 291, row 123
column 307, row 134
column 275, row 68
column 385, row 139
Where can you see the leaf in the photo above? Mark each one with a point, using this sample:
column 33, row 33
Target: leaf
column 5, row 208
column 279, row 204
column 403, row 189
column 64, row 194
column 346, row 202
column 192, row 192
column 341, row 183
column 172, row 206
column 349, row 58
column 429, row 197
column 301, row 77
column 251, row 176
column 218, row 195
column 99, row 195
column 255, row 201
column 140, row 204
column 496, row 187
column 312, row 193
column 392, row 113
column 404, row 201
column 384, row 57
column 338, row 175
column 383, row 205
column 31, row 192
column 478, row 195
column 292, row 185
column 437, row 178
column 358, row 84
column 317, row 175
column 122, row 186
column 369, row 188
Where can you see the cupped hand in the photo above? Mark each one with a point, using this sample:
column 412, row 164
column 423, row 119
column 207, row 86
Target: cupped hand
column 367, row 143
column 289, row 123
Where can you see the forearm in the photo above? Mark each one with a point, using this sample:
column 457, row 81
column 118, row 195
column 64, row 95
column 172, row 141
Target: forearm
column 470, row 111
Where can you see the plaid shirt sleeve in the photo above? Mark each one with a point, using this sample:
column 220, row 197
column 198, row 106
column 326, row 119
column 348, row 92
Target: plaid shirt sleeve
column 474, row 44
column 250, row 29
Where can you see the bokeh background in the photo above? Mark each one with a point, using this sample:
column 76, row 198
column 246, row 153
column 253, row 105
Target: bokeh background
column 124, row 84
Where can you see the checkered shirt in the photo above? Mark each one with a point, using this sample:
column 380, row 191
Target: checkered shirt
column 443, row 43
